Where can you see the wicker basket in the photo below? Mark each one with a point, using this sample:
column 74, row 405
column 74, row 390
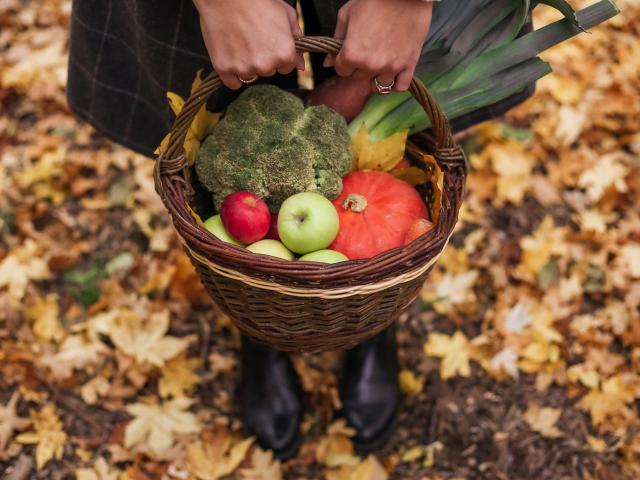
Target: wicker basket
column 305, row 306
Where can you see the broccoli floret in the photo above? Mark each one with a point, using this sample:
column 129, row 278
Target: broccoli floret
column 268, row 143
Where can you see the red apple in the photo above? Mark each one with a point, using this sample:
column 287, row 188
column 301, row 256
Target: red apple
column 272, row 234
column 417, row 229
column 245, row 216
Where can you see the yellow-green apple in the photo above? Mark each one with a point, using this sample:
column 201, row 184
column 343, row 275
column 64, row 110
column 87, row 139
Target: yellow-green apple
column 324, row 256
column 215, row 226
column 271, row 247
column 307, row 222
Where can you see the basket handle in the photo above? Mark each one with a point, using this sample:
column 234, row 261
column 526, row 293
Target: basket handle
column 172, row 160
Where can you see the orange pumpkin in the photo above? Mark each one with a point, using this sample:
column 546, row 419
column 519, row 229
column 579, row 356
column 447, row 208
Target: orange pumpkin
column 376, row 211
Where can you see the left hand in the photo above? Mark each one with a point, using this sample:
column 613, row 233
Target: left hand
column 382, row 39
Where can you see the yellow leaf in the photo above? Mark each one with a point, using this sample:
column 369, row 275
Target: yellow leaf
column 145, row 339
column 201, row 126
column 454, row 352
column 48, row 435
column 596, row 444
column 176, row 102
column 194, row 214
column 543, row 420
column 413, row 453
column 583, row 374
column 609, row 172
column 44, row 314
column 157, row 424
column 411, row 384
column 412, row 175
column 370, row 469
column 263, row 466
column 513, row 164
column 537, row 249
column 100, row 471
column 22, row 265
column 178, row 377
column 609, row 401
column 217, row 457
column 382, row 155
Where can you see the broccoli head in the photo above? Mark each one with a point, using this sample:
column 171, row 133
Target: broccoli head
column 268, row 143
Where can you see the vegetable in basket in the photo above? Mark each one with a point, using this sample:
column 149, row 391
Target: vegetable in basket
column 269, row 144
column 470, row 63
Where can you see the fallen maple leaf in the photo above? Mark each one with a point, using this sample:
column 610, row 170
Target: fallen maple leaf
column 609, row 401
column 630, row 258
column 76, row 352
column 145, row 339
column 506, row 360
column 451, row 290
column 454, row 352
column 156, row 424
column 368, row 469
column 609, row 171
column 513, row 164
column 178, row 377
column 44, row 314
column 48, row 436
column 543, row 419
column 10, row 422
column 100, row 471
column 22, row 265
column 382, row 155
column 263, row 466
column 218, row 456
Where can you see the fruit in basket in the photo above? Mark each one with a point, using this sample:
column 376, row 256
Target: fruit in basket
column 272, row 248
column 268, row 143
column 307, row 222
column 376, row 211
column 245, row 216
column 324, row 256
column 345, row 95
column 272, row 234
column 417, row 229
column 215, row 226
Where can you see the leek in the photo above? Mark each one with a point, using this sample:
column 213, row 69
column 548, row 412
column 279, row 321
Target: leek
column 476, row 72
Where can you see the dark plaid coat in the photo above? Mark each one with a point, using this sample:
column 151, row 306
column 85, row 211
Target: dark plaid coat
column 125, row 55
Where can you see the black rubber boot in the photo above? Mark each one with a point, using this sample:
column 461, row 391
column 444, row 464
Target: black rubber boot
column 370, row 391
column 270, row 397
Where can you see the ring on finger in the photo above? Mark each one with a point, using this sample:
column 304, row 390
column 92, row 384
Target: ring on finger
column 384, row 89
column 249, row 80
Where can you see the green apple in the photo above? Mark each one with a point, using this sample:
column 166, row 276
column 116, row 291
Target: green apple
column 307, row 222
column 324, row 256
column 214, row 225
column 271, row 247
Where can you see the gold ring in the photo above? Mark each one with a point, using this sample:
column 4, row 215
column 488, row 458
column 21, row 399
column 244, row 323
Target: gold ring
column 251, row 80
column 384, row 89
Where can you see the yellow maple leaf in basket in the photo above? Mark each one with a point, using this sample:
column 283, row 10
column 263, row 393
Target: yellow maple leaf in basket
column 201, row 126
column 382, row 155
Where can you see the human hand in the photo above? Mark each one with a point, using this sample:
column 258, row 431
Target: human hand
column 247, row 38
column 382, row 39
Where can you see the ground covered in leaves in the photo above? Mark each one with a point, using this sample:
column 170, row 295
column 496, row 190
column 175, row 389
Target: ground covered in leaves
column 521, row 360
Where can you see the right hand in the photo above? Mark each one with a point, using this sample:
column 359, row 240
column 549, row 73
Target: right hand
column 246, row 38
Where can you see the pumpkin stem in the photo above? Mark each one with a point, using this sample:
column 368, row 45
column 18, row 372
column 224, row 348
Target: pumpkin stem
column 355, row 202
